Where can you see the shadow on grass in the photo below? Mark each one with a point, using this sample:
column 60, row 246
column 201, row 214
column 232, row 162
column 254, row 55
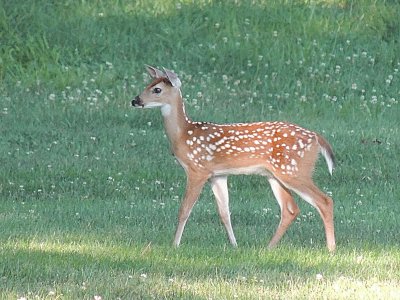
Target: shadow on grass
column 54, row 262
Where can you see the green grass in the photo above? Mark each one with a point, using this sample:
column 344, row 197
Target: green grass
column 90, row 193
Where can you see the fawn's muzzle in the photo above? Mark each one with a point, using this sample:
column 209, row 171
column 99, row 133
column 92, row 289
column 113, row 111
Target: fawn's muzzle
column 137, row 102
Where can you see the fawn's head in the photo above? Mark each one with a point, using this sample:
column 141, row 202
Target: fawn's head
column 161, row 91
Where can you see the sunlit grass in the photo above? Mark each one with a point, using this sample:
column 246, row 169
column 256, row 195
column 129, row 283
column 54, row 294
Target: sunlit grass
column 154, row 271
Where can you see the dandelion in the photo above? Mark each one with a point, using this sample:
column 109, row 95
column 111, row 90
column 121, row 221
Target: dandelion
column 319, row 277
column 354, row 86
column 359, row 259
column 97, row 297
column 143, row 276
column 275, row 33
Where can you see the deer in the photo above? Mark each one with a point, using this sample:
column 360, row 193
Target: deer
column 284, row 153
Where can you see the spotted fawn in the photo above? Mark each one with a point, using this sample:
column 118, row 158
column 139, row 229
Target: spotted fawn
column 282, row 152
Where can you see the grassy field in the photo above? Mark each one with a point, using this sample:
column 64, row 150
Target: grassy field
column 90, row 193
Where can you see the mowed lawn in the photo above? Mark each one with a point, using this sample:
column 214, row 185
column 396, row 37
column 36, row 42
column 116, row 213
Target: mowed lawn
column 89, row 191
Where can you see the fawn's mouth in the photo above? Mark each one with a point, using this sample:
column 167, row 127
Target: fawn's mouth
column 137, row 102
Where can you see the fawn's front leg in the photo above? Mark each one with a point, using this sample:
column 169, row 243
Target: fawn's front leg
column 219, row 186
column 194, row 185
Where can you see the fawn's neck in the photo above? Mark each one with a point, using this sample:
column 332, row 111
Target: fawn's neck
column 176, row 122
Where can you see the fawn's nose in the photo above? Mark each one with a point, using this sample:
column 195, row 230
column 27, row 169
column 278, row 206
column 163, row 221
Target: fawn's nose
column 137, row 102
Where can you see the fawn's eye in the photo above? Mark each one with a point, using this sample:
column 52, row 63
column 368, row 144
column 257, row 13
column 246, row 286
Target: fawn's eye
column 156, row 90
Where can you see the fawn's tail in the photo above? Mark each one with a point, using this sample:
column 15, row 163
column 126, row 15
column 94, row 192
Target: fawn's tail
column 327, row 152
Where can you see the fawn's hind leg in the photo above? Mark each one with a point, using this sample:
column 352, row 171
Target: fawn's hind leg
column 289, row 209
column 307, row 190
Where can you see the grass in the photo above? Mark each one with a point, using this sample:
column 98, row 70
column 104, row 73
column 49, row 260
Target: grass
column 90, row 194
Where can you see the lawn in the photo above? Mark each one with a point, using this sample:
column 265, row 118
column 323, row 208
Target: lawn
column 89, row 193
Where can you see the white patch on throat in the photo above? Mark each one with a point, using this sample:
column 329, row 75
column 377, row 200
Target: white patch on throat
column 166, row 110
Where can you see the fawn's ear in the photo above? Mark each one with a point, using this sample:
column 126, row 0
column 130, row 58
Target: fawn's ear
column 154, row 73
column 173, row 78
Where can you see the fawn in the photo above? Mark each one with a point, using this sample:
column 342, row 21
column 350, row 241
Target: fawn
column 285, row 153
